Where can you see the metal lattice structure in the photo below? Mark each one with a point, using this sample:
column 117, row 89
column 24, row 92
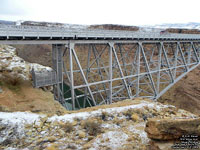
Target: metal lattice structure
column 41, row 79
column 95, row 67
column 113, row 71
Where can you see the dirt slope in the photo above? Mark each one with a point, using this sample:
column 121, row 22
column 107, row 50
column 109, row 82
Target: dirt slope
column 28, row 98
column 35, row 53
column 186, row 93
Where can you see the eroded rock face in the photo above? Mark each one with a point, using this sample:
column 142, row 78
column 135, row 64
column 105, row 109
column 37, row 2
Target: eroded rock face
column 10, row 62
column 170, row 129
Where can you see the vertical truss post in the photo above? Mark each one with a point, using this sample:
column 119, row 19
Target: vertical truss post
column 159, row 66
column 71, row 47
column 148, row 70
column 57, row 54
column 138, row 71
column 110, row 71
column 175, row 61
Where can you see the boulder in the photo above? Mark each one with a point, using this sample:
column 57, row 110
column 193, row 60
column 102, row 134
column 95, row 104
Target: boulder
column 170, row 129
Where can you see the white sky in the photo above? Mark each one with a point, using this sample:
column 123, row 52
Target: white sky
column 127, row 12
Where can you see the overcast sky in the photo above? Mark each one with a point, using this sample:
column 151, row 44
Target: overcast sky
column 127, row 12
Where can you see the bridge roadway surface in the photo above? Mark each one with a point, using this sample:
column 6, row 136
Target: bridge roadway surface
column 11, row 34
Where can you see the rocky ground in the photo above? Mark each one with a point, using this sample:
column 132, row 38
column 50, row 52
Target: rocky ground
column 117, row 128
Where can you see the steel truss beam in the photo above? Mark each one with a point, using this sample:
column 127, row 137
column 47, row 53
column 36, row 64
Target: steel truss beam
column 110, row 71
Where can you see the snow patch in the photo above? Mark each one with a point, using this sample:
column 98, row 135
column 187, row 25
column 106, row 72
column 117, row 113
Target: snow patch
column 142, row 134
column 85, row 115
column 190, row 25
column 39, row 68
column 19, row 118
column 13, row 124
column 110, row 126
column 112, row 139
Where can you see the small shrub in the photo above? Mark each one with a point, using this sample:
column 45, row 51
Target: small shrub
column 104, row 116
column 68, row 127
column 128, row 113
column 11, row 81
column 3, row 109
column 77, row 119
column 92, row 127
column 71, row 146
column 135, row 117
column 117, row 121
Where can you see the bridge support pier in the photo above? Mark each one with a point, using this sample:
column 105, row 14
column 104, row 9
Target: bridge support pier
column 57, row 59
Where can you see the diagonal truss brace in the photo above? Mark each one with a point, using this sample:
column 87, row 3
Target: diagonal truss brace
column 83, row 75
column 148, row 70
column 120, row 69
column 168, row 65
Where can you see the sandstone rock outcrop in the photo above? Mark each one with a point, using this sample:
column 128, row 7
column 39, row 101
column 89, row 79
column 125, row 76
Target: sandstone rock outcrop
column 170, row 129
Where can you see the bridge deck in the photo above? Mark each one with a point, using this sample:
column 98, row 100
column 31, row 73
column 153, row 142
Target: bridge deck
column 58, row 35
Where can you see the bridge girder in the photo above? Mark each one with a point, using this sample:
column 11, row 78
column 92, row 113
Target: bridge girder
column 105, row 72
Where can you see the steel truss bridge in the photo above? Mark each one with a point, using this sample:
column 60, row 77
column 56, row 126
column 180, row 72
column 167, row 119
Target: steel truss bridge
column 94, row 67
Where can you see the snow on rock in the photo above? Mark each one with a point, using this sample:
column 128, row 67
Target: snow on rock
column 38, row 67
column 118, row 130
column 115, row 110
column 19, row 118
column 111, row 139
column 190, row 25
column 108, row 126
column 12, row 125
column 10, row 148
column 9, row 61
column 139, row 129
